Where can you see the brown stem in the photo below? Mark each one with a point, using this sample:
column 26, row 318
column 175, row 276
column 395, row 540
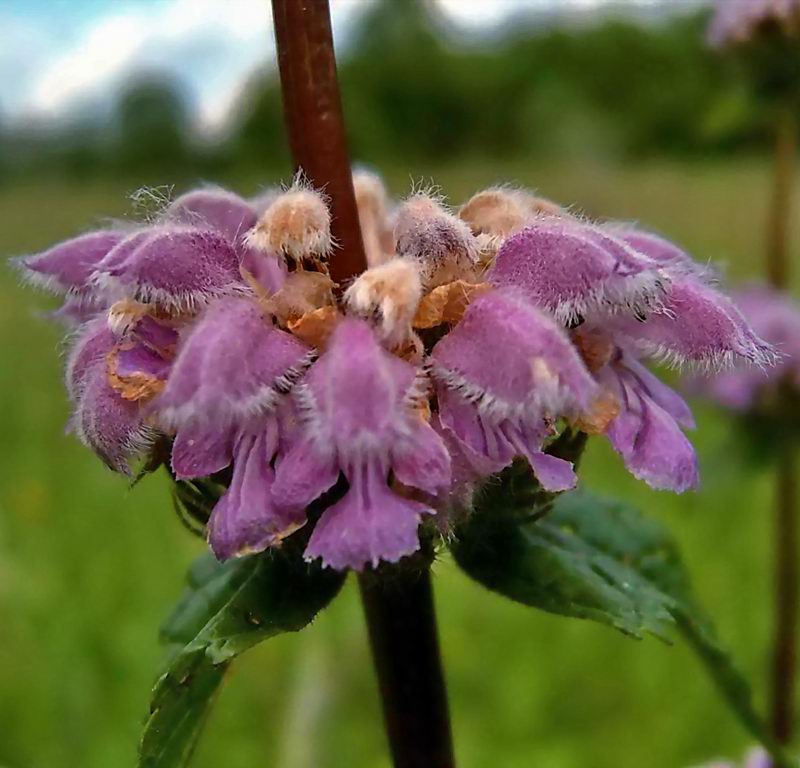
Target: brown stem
column 785, row 533
column 405, row 648
column 313, row 111
column 780, row 209
column 398, row 602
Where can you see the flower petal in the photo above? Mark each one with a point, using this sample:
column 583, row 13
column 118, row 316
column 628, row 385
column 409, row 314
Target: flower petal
column 662, row 456
column 486, row 449
column 67, row 267
column 217, row 208
column 232, row 366
column 302, row 475
column 369, row 524
column 244, row 519
column 511, row 359
column 421, row 460
column 574, row 271
column 111, row 426
column 664, row 396
column 356, row 395
column 77, row 310
column 650, row 441
column 553, row 474
column 697, row 324
column 178, row 269
column 266, row 269
column 92, row 345
column 200, row 452
column 657, row 248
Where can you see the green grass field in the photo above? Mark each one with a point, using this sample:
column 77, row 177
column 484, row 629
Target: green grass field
column 88, row 567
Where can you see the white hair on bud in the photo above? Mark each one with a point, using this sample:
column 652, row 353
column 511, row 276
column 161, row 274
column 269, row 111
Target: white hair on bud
column 389, row 294
column 297, row 223
column 498, row 212
column 440, row 243
column 373, row 215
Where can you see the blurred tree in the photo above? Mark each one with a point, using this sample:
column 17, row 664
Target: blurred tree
column 151, row 125
column 260, row 139
column 415, row 93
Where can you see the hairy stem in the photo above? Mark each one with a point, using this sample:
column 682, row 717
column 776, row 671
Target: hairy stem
column 313, row 111
column 784, row 646
column 405, row 648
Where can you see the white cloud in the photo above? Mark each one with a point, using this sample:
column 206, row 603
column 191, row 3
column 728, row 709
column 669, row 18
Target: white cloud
column 210, row 46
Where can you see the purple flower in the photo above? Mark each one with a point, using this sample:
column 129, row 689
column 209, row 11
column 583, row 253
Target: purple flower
column 576, row 271
column 739, row 21
column 359, row 414
column 177, row 269
column 776, row 317
column 229, row 377
column 233, row 218
column 502, row 373
column 106, row 381
column 193, row 253
column 66, row 269
column 696, row 323
column 217, row 209
column 383, row 405
column 647, row 432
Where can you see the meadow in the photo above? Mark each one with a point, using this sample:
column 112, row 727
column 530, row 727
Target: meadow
column 89, row 567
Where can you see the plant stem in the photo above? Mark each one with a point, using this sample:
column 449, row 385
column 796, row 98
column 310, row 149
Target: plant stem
column 405, row 648
column 780, row 208
column 785, row 533
column 313, row 112
column 398, row 601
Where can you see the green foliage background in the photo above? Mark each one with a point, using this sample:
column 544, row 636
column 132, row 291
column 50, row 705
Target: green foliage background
column 622, row 122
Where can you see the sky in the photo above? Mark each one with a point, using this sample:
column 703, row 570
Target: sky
column 61, row 57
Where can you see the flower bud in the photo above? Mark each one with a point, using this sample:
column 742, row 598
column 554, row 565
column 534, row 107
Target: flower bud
column 501, row 211
column 373, row 215
column 390, row 295
column 441, row 244
column 296, row 224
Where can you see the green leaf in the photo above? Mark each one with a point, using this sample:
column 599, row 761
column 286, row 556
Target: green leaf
column 548, row 564
column 226, row 609
column 597, row 559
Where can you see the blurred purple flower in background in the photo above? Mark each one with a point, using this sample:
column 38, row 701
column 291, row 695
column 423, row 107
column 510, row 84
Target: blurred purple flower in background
column 740, row 21
column 775, row 317
column 755, row 758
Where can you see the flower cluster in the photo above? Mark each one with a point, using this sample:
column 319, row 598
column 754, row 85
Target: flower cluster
column 740, row 21
column 474, row 337
column 776, row 318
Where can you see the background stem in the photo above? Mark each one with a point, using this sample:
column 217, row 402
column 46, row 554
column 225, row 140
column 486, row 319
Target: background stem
column 405, row 648
column 784, row 647
column 780, row 207
column 313, row 111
